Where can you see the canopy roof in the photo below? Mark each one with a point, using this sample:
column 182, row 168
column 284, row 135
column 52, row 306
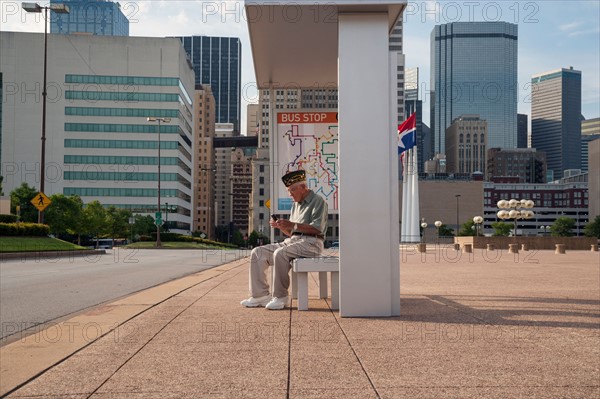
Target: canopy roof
column 295, row 45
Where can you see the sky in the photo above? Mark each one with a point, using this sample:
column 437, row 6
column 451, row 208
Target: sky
column 552, row 34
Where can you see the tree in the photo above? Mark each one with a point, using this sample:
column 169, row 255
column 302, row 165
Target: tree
column 144, row 225
column 64, row 214
column 562, row 227
column 502, row 229
column 446, row 231
column 95, row 219
column 238, row 238
column 117, row 222
column 592, row 229
column 468, row 229
column 1, row 191
column 22, row 196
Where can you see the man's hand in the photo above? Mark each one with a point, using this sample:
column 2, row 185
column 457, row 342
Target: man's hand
column 284, row 225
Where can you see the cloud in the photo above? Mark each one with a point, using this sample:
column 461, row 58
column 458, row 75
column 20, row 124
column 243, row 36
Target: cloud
column 570, row 26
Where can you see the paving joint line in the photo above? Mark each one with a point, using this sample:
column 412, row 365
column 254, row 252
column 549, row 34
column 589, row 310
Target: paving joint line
column 31, row 379
column 170, row 321
column 350, row 345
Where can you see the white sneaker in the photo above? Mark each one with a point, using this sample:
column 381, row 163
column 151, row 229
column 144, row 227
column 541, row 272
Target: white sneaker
column 278, row 303
column 256, row 302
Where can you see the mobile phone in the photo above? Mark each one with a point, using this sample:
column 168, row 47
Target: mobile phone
column 274, row 217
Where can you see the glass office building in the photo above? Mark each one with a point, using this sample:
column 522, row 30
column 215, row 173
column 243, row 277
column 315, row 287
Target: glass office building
column 474, row 71
column 217, row 62
column 556, row 118
column 98, row 17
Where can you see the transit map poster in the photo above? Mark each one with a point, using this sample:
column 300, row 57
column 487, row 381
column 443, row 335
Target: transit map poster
column 307, row 140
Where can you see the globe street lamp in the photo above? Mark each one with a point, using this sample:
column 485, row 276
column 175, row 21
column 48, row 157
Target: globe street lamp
column 438, row 224
column 515, row 209
column 36, row 8
column 477, row 220
column 158, row 212
column 424, row 226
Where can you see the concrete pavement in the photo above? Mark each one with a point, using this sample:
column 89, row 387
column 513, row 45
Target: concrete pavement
column 483, row 325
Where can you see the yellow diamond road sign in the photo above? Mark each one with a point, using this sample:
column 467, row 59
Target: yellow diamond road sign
column 268, row 204
column 40, row 201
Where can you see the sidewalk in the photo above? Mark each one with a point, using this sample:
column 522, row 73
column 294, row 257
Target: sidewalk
column 490, row 325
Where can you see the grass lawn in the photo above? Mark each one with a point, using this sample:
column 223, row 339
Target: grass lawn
column 173, row 245
column 31, row 244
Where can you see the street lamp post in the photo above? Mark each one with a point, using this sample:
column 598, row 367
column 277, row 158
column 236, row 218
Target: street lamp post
column 424, row 226
column 477, row 220
column 513, row 210
column 36, row 8
column 457, row 218
column 438, row 224
column 158, row 210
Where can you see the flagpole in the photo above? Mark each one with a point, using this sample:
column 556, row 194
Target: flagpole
column 415, row 196
column 405, row 221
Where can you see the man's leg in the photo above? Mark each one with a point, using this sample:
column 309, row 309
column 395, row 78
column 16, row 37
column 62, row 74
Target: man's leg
column 260, row 260
column 306, row 247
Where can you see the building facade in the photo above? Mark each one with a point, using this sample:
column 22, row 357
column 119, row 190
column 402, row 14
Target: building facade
column 223, row 169
column 258, row 218
column 527, row 165
column 590, row 131
column 241, row 187
column 556, row 118
column 92, row 17
column 205, row 166
column 474, row 71
column 594, row 179
column 552, row 200
column 466, row 143
column 217, row 62
column 396, row 47
column 412, row 104
column 100, row 144
column 522, row 131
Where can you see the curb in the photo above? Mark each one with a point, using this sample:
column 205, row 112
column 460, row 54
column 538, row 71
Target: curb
column 50, row 255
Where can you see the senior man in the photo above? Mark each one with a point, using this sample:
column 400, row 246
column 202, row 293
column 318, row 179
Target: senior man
column 305, row 229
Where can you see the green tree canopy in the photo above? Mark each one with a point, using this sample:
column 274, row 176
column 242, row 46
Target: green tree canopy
column 446, row 231
column 117, row 222
column 502, row 229
column 94, row 216
column 592, row 229
column 468, row 229
column 144, row 225
column 562, row 227
column 64, row 214
column 21, row 196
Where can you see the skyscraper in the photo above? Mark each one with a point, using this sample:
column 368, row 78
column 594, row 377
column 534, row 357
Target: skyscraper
column 474, row 71
column 218, row 62
column 93, row 17
column 556, row 118
column 522, row 137
column 395, row 47
column 412, row 104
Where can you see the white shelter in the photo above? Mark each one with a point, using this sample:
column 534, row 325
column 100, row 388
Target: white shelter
column 306, row 44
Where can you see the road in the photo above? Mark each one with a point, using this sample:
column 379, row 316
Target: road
column 37, row 292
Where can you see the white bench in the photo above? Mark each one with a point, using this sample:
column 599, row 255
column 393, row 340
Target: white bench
column 323, row 265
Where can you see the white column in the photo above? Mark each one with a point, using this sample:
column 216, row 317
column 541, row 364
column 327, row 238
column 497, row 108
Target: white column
column 369, row 277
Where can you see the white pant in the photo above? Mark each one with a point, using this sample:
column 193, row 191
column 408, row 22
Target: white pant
column 280, row 256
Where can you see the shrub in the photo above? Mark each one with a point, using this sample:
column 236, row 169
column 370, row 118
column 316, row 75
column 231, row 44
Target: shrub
column 24, row 229
column 8, row 218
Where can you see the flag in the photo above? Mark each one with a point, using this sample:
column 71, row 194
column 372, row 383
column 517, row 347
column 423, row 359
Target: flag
column 407, row 134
